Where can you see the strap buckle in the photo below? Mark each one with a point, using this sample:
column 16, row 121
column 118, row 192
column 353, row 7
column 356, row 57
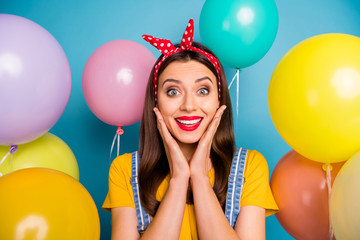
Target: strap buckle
column 134, row 180
column 237, row 179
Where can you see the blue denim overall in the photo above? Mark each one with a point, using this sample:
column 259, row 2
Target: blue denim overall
column 233, row 196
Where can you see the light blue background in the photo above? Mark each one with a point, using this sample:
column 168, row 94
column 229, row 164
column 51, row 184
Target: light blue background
column 82, row 26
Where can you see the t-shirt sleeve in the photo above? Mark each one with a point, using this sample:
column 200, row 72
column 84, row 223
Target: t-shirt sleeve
column 256, row 189
column 120, row 191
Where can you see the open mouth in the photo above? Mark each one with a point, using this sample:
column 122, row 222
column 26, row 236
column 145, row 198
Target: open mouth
column 189, row 123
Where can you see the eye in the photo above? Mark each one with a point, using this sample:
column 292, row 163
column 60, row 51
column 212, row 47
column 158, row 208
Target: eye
column 203, row 91
column 172, row 92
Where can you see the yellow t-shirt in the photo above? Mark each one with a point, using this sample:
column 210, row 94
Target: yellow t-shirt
column 256, row 190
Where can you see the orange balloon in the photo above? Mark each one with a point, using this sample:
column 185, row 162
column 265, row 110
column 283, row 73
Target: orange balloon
column 300, row 190
column 39, row 203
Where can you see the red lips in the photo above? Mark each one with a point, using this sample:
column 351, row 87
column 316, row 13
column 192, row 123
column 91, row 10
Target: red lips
column 188, row 117
column 188, row 123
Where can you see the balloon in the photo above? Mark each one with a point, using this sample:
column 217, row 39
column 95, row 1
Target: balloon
column 114, row 81
column 300, row 190
column 239, row 32
column 344, row 201
column 35, row 80
column 48, row 151
column 39, row 203
column 314, row 97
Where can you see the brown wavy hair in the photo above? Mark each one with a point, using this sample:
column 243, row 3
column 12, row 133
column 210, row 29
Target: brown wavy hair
column 154, row 165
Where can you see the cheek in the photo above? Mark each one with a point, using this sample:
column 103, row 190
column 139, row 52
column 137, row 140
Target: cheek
column 168, row 106
column 210, row 107
column 167, row 111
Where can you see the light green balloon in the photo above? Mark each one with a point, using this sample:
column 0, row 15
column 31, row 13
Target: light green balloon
column 344, row 201
column 48, row 151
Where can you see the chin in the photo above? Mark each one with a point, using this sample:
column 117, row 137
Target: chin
column 190, row 139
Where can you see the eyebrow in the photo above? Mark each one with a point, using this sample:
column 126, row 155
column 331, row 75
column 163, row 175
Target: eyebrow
column 178, row 81
column 203, row 78
column 170, row 80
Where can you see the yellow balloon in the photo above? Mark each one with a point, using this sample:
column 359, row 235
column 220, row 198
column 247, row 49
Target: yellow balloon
column 314, row 97
column 40, row 203
column 48, row 151
column 344, row 201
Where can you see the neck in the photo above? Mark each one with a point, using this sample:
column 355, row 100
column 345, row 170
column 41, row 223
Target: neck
column 188, row 149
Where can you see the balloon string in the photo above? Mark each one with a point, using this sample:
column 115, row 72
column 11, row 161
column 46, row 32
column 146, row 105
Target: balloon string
column 3, row 159
column 118, row 145
column 232, row 80
column 328, row 181
column 12, row 150
column 237, row 95
column 119, row 132
column 237, row 91
column 11, row 163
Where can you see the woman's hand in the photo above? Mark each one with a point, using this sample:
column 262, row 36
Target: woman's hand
column 179, row 166
column 200, row 163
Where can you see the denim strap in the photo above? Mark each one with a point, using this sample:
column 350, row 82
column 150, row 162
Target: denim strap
column 143, row 217
column 235, row 186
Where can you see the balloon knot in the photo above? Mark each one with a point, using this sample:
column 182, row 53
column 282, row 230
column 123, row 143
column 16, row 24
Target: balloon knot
column 119, row 131
column 326, row 165
column 13, row 149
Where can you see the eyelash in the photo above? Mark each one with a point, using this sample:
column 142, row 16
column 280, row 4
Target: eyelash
column 202, row 89
column 169, row 92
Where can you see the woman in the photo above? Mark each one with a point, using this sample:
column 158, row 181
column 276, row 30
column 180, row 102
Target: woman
column 192, row 182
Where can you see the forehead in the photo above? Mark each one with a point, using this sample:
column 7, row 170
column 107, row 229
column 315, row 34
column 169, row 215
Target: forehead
column 186, row 71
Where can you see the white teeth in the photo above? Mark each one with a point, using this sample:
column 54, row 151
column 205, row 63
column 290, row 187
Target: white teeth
column 189, row 122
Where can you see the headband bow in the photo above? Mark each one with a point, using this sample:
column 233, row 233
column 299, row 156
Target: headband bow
column 167, row 48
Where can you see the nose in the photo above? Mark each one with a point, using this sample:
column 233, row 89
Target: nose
column 188, row 103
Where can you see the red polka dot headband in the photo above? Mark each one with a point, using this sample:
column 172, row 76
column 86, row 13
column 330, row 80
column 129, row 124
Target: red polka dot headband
column 167, row 48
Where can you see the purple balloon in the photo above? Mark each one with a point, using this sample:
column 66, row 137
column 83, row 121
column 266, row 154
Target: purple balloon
column 35, row 80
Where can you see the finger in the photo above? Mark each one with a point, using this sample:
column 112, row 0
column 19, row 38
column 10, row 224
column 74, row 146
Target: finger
column 173, row 152
column 216, row 121
column 164, row 132
column 159, row 119
column 160, row 122
column 210, row 132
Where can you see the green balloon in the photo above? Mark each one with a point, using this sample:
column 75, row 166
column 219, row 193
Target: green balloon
column 239, row 32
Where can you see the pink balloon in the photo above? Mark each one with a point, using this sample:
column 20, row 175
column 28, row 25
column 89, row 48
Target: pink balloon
column 35, row 80
column 114, row 81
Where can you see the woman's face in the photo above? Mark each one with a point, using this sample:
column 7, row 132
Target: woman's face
column 187, row 99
